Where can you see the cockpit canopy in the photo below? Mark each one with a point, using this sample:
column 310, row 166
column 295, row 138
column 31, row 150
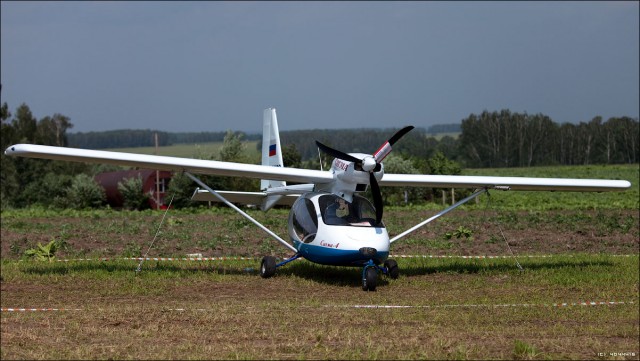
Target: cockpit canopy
column 331, row 210
column 336, row 211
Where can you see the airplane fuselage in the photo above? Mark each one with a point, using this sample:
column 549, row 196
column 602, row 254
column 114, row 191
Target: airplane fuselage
column 326, row 229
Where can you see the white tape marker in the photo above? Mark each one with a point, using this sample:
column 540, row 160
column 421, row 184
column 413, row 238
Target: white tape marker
column 160, row 259
column 232, row 258
column 3, row 309
column 493, row 257
column 505, row 305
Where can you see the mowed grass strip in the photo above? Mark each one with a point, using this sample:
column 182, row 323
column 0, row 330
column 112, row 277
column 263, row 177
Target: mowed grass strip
column 223, row 310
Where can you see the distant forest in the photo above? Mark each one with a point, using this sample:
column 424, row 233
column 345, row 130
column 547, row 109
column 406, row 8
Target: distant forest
column 489, row 139
column 132, row 138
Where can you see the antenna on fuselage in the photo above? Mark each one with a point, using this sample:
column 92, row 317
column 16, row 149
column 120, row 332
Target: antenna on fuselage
column 320, row 158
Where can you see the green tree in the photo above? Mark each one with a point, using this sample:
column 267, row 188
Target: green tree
column 397, row 164
column 52, row 130
column 440, row 164
column 8, row 182
column 233, row 150
column 25, row 125
column 48, row 190
column 133, row 194
column 25, row 181
column 181, row 189
column 291, row 157
column 85, row 192
column 626, row 132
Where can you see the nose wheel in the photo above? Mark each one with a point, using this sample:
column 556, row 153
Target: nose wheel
column 369, row 278
column 370, row 273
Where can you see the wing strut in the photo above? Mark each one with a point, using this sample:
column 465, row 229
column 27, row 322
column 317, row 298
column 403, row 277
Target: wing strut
column 442, row 213
column 242, row 213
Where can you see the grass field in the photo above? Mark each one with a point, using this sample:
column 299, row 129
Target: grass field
column 576, row 296
column 629, row 199
column 203, row 150
column 438, row 309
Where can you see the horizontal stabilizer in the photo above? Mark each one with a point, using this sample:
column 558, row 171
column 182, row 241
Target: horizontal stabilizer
column 246, row 198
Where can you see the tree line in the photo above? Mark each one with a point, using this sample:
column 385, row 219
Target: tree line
column 506, row 139
column 131, row 138
column 495, row 140
column 28, row 181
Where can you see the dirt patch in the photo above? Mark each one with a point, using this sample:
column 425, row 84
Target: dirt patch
column 462, row 233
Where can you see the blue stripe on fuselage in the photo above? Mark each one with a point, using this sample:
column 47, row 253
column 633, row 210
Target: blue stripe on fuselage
column 337, row 257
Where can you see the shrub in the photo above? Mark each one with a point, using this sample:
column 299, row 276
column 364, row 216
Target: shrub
column 133, row 194
column 84, row 192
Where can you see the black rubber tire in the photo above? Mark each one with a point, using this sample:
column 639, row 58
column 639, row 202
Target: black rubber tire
column 370, row 279
column 392, row 268
column 268, row 267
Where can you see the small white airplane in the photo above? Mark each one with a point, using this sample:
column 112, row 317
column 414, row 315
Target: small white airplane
column 329, row 223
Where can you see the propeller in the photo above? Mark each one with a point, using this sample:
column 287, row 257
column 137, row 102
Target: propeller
column 370, row 164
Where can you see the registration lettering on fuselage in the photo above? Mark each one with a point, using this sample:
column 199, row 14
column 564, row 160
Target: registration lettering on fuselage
column 330, row 245
column 340, row 164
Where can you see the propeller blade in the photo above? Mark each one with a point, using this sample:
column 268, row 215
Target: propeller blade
column 385, row 149
column 399, row 134
column 377, row 197
column 338, row 154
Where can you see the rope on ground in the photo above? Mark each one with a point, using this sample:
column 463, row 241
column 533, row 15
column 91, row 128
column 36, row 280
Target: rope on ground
column 156, row 236
column 504, row 238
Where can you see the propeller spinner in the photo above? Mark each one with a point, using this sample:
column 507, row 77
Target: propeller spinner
column 370, row 164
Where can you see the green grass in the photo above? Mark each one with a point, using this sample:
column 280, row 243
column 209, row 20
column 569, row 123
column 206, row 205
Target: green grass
column 203, row 150
column 439, row 136
column 456, row 309
column 629, row 199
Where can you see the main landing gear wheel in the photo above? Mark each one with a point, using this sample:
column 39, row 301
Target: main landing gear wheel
column 268, row 267
column 369, row 279
column 392, row 268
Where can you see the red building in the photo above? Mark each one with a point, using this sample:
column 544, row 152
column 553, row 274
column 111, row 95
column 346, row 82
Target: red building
column 151, row 180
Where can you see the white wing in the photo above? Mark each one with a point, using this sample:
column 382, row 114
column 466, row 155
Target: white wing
column 512, row 183
column 196, row 166
column 200, row 166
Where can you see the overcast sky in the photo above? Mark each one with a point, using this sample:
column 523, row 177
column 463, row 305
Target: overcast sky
column 214, row 66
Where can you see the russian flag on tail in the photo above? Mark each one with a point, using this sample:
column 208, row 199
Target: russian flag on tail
column 272, row 150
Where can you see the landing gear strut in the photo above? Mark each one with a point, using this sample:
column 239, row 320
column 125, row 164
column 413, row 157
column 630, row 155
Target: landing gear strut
column 268, row 265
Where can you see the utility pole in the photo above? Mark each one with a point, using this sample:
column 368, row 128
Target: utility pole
column 157, row 176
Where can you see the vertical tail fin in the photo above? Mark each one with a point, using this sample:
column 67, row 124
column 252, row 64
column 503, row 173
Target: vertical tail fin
column 271, row 153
